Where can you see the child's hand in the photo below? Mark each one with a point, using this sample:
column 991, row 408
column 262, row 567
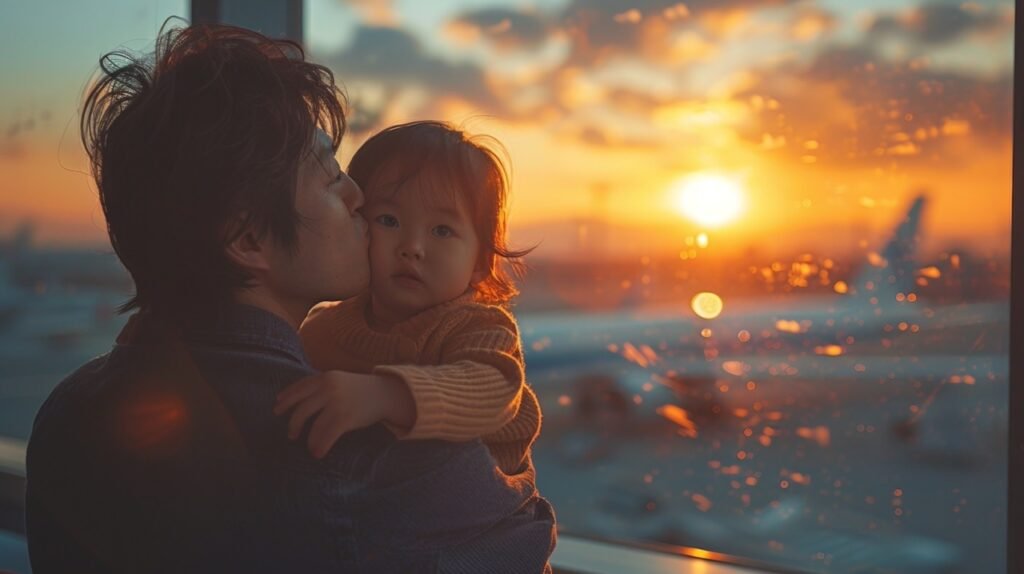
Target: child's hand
column 341, row 402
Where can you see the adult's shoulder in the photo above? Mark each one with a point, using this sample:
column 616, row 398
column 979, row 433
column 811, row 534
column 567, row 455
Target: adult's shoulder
column 84, row 381
column 63, row 432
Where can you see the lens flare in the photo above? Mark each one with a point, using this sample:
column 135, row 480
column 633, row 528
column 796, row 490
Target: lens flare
column 706, row 305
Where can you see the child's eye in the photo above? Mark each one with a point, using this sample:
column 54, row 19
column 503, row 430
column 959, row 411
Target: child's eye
column 444, row 231
column 387, row 220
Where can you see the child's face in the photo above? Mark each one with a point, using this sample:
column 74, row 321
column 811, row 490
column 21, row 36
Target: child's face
column 424, row 250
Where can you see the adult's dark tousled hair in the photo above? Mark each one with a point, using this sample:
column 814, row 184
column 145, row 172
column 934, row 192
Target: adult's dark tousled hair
column 195, row 144
column 454, row 162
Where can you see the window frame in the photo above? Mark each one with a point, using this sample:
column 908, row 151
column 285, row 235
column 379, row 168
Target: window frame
column 210, row 11
column 646, row 556
column 1015, row 468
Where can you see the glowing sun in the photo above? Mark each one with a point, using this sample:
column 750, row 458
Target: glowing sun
column 708, row 199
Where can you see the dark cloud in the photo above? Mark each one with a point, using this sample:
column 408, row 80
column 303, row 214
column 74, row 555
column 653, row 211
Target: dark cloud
column 848, row 105
column 599, row 29
column 12, row 139
column 393, row 58
column 11, row 149
column 19, row 127
column 940, row 23
column 596, row 30
column 506, row 28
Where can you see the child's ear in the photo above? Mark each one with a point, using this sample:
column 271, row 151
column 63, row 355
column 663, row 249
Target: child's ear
column 482, row 270
column 478, row 277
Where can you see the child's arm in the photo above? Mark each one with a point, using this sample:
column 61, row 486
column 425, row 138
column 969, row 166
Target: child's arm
column 511, row 443
column 477, row 388
column 343, row 402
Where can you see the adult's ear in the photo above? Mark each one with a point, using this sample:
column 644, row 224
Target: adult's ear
column 249, row 252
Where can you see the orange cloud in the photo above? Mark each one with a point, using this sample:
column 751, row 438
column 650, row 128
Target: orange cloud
column 859, row 108
column 810, row 24
column 375, row 12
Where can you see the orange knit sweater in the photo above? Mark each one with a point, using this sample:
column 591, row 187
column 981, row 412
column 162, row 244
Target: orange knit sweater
column 462, row 361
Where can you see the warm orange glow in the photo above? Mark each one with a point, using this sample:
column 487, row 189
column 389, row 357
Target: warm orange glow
column 961, row 379
column 829, row 350
column 800, row 478
column 788, row 326
column 956, row 127
column 643, row 355
column 703, row 503
column 681, row 418
column 153, row 423
column 706, row 305
column 820, row 434
column 462, row 33
column 736, row 368
column 677, row 11
column 631, row 16
column 708, row 199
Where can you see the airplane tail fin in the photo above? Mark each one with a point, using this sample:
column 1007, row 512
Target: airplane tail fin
column 892, row 270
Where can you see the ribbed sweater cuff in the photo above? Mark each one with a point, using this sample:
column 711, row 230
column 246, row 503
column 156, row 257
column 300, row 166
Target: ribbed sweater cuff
column 509, row 456
column 456, row 402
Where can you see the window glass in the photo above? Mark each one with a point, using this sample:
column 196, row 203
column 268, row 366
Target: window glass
column 60, row 284
column 767, row 313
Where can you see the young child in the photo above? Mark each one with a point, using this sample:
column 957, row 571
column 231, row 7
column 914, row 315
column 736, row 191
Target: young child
column 430, row 349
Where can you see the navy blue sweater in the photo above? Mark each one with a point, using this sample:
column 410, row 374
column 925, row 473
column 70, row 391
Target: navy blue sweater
column 164, row 456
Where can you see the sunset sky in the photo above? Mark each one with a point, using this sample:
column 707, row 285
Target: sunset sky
column 826, row 118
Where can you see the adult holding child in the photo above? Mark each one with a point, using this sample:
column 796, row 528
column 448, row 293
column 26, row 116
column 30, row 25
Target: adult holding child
column 214, row 159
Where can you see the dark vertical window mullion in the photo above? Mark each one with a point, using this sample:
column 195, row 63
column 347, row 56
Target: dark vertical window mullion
column 205, row 11
column 1015, row 496
column 212, row 12
column 295, row 20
